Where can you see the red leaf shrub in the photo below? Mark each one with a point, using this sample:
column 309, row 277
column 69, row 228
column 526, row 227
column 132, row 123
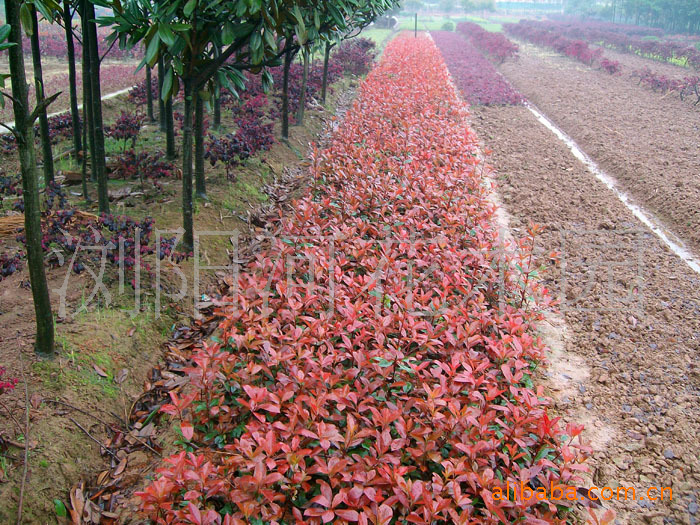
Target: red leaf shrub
column 624, row 38
column 355, row 56
column 611, row 67
column 143, row 165
column 9, row 264
column 496, row 45
column 475, row 76
column 127, row 127
column 254, row 133
column 6, row 384
column 576, row 49
column 411, row 399
column 138, row 94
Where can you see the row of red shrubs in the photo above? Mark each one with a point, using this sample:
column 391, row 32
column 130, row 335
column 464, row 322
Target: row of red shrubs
column 626, row 39
column 376, row 364
column 577, row 49
column 495, row 45
column 477, row 78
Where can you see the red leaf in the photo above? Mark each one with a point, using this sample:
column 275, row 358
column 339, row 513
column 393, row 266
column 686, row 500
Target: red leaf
column 187, row 430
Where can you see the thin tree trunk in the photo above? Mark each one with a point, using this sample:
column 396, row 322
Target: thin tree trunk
column 288, row 57
column 46, row 149
column 200, row 183
column 72, row 77
column 217, row 98
column 44, row 343
column 304, row 82
column 98, row 156
column 87, row 95
column 88, row 138
column 326, row 61
column 169, row 130
column 83, row 164
column 161, row 102
column 149, row 96
column 217, row 112
column 187, row 212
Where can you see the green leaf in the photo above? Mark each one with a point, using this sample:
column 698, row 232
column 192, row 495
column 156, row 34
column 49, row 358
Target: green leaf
column 227, row 34
column 152, row 51
column 189, row 8
column 166, row 34
column 4, row 32
column 542, row 453
column 267, row 81
column 25, row 16
column 47, row 8
column 270, row 39
column 167, row 84
column 255, row 41
column 60, row 508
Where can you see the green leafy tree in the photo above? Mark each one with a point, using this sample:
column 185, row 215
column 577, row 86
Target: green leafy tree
column 184, row 33
column 28, row 13
column 67, row 20
column 24, row 133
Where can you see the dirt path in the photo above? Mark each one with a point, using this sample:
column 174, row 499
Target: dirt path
column 631, row 310
column 646, row 141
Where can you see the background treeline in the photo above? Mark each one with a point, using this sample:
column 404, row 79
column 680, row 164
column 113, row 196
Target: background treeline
column 673, row 16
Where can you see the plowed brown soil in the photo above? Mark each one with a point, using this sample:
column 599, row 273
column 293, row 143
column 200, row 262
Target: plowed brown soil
column 647, row 141
column 631, row 311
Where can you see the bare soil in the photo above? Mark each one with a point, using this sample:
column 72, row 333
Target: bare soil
column 645, row 140
column 626, row 365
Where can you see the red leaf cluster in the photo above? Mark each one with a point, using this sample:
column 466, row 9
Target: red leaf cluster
column 644, row 41
column 686, row 86
column 385, row 376
column 495, row 45
column 540, row 35
column 476, row 77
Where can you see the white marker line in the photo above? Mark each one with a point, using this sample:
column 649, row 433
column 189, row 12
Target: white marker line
column 80, row 106
column 671, row 240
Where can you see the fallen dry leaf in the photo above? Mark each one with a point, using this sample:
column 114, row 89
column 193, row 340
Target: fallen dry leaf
column 120, row 468
column 99, row 371
column 121, row 376
column 36, row 400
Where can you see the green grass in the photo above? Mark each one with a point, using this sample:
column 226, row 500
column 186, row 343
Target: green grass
column 493, row 27
column 378, row 36
column 435, row 23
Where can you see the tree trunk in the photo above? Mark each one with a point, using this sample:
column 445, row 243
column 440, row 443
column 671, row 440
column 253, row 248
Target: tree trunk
column 200, row 183
column 72, row 81
column 98, row 155
column 87, row 94
column 83, row 164
column 187, row 212
column 304, row 82
column 169, row 130
column 161, row 102
column 44, row 134
column 326, row 60
column 217, row 98
column 149, row 96
column 217, row 113
column 44, row 343
column 288, row 57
